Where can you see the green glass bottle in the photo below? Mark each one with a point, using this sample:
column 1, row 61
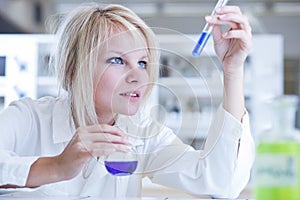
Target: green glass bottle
column 277, row 165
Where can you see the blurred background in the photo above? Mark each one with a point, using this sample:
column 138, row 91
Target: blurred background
column 186, row 16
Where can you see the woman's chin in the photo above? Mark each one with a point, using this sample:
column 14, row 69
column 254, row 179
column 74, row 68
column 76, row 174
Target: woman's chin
column 129, row 111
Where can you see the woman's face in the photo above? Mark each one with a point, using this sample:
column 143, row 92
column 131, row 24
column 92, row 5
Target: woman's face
column 122, row 77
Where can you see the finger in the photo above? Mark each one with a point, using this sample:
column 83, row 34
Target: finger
column 228, row 9
column 104, row 138
column 217, row 34
column 104, row 128
column 235, row 21
column 110, row 138
column 216, row 20
column 101, row 149
column 239, row 34
column 236, row 12
column 104, row 147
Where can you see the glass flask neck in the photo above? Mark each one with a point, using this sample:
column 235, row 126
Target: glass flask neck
column 284, row 112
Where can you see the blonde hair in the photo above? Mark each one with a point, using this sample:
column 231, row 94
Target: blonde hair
column 80, row 36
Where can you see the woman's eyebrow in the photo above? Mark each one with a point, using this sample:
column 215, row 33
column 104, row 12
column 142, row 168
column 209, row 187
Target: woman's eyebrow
column 114, row 51
column 123, row 54
column 145, row 57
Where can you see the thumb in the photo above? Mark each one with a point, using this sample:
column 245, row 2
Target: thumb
column 217, row 34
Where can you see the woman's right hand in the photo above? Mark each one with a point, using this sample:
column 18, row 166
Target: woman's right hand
column 91, row 142
column 87, row 143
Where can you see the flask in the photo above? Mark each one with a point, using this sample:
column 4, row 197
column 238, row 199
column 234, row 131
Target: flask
column 122, row 163
column 277, row 165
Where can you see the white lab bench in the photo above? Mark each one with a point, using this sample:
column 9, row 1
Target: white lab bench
column 156, row 191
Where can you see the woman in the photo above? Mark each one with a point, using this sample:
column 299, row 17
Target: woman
column 107, row 62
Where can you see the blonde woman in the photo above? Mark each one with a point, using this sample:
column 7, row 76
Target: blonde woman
column 107, row 62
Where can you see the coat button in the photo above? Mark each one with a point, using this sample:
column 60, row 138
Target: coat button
column 237, row 132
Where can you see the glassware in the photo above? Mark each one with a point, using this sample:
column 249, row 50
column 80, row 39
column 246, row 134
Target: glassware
column 122, row 163
column 205, row 35
column 277, row 167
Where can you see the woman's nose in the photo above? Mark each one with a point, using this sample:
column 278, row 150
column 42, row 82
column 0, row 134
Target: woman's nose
column 133, row 75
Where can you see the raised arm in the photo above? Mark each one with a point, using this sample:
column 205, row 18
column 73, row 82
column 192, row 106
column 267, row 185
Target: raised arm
column 232, row 48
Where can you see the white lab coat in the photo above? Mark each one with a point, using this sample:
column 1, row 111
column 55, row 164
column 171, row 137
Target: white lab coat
column 35, row 128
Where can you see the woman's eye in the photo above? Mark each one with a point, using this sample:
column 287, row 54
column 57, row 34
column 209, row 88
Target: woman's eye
column 142, row 64
column 116, row 60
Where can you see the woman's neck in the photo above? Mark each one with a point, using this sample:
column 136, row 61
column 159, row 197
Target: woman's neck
column 107, row 119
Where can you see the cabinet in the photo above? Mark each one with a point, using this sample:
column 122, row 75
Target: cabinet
column 187, row 93
column 24, row 67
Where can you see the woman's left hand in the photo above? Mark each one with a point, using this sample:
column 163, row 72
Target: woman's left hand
column 232, row 46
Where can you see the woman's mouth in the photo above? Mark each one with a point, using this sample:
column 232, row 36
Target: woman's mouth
column 132, row 95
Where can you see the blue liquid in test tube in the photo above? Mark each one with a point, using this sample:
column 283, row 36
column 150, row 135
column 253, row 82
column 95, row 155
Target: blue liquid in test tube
column 206, row 32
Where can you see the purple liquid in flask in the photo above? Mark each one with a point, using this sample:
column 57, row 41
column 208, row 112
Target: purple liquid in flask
column 121, row 168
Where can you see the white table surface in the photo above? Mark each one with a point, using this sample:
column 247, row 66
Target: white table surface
column 28, row 196
column 148, row 193
column 95, row 198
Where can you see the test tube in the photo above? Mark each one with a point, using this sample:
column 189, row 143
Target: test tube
column 205, row 35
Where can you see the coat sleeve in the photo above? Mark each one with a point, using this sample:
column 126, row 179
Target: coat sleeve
column 15, row 127
column 222, row 169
